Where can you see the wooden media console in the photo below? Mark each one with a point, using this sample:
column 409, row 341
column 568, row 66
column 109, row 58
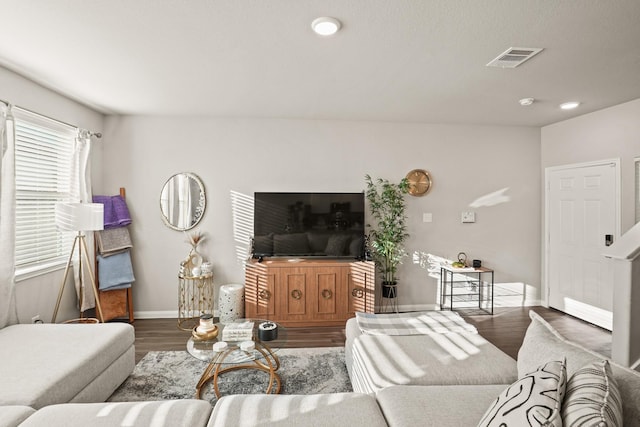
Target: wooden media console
column 309, row 292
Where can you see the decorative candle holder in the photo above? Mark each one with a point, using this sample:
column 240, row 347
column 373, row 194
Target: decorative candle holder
column 206, row 330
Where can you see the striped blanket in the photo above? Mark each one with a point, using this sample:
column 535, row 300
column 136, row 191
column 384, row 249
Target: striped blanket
column 415, row 323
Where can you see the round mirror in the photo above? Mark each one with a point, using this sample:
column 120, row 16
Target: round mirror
column 182, row 201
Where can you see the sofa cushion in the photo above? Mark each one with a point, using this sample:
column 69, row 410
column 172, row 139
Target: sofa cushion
column 51, row 363
column 592, row 397
column 109, row 380
column 533, row 400
column 436, row 406
column 169, row 413
column 13, row 415
column 542, row 342
column 336, row 409
column 379, row 361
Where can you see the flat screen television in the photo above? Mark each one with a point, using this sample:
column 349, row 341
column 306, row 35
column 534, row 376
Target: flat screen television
column 329, row 225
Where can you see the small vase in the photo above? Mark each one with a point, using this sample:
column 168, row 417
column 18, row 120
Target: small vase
column 195, row 257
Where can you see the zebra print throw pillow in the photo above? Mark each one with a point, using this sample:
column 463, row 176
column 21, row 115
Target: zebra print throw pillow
column 593, row 398
column 533, row 400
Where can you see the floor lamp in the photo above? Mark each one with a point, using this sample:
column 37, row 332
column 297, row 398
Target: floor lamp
column 79, row 217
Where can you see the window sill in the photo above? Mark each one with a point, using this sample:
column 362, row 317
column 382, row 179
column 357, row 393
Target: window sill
column 40, row 270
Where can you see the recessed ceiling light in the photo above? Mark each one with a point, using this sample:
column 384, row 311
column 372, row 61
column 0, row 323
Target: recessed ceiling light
column 569, row 105
column 325, row 26
column 526, row 101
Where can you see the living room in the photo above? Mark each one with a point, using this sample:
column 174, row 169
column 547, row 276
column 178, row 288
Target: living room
column 236, row 156
column 237, row 151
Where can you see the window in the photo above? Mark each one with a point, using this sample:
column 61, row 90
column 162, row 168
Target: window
column 43, row 167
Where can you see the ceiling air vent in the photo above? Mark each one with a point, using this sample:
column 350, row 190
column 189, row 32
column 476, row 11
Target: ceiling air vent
column 514, row 56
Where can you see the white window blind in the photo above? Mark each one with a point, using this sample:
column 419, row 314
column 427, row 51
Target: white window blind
column 43, row 166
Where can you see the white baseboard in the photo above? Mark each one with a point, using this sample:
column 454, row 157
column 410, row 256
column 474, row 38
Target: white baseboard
column 417, row 307
column 515, row 295
column 503, row 297
column 168, row 314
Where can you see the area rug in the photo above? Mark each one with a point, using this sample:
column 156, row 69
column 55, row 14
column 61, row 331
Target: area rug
column 174, row 375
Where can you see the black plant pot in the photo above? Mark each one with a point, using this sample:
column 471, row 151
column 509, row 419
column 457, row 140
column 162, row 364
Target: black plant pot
column 389, row 289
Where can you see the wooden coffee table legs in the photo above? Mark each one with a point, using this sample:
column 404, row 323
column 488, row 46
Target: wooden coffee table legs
column 268, row 363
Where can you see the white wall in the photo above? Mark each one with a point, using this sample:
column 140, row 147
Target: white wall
column 606, row 134
column 235, row 157
column 38, row 295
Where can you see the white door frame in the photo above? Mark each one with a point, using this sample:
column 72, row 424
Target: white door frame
column 547, row 172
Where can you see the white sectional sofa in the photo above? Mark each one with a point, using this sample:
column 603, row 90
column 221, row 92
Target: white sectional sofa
column 407, row 381
column 45, row 364
column 61, row 374
column 444, row 396
column 398, row 381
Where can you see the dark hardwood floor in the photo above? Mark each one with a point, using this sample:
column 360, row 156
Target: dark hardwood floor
column 505, row 329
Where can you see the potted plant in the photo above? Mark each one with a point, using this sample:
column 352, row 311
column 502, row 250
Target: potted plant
column 387, row 236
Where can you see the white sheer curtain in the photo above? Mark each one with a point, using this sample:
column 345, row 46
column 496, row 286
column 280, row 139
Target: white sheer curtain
column 81, row 192
column 8, row 314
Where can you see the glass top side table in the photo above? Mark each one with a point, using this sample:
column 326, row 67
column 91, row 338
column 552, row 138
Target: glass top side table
column 258, row 353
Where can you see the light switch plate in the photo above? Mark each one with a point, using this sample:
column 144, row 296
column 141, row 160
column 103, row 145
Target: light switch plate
column 427, row 217
column 468, row 217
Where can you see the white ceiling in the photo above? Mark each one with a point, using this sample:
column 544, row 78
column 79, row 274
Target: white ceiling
column 394, row 60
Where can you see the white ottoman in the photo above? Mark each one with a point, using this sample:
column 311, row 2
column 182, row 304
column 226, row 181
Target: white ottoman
column 231, row 302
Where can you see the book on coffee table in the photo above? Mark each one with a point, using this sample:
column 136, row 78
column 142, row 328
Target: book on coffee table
column 241, row 331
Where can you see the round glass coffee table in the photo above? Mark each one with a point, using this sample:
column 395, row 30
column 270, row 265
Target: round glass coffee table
column 250, row 344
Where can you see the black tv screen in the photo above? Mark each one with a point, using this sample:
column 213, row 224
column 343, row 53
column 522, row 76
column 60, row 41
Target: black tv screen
column 308, row 225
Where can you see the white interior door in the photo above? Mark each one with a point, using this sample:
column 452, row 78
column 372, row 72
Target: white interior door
column 582, row 207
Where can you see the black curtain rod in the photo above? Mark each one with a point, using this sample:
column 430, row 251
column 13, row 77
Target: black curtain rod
column 96, row 134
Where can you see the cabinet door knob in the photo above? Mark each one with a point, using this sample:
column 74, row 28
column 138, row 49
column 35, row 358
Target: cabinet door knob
column 264, row 294
column 357, row 293
column 296, row 294
column 327, row 294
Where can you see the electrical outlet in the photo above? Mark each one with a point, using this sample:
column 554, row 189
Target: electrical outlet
column 36, row 319
column 468, row 217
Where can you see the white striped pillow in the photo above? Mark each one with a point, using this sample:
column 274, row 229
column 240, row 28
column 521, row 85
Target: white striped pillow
column 593, row 398
column 534, row 400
